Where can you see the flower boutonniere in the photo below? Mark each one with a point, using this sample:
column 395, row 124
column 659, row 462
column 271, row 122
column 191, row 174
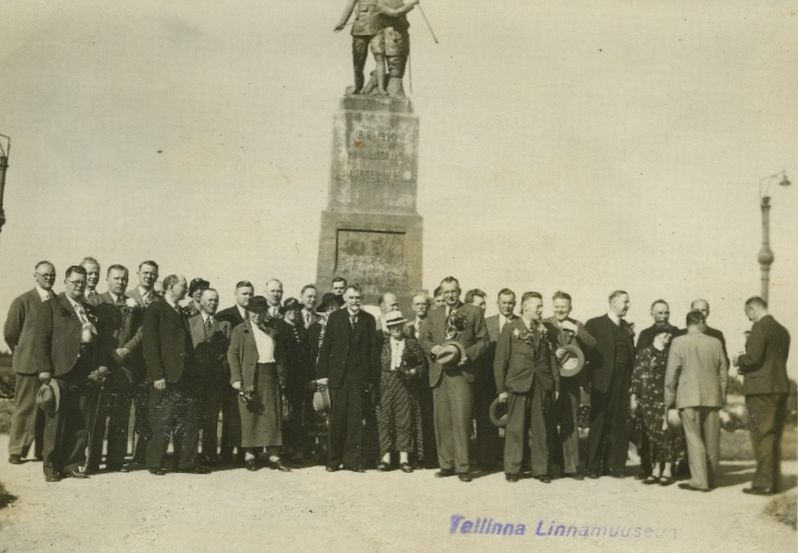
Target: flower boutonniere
column 630, row 329
column 268, row 325
column 128, row 308
column 456, row 322
column 533, row 337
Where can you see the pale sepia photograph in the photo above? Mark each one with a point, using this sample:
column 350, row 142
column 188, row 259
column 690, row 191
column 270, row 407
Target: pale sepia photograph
column 393, row 276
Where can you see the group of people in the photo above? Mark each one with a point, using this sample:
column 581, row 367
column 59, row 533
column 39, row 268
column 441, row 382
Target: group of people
column 299, row 381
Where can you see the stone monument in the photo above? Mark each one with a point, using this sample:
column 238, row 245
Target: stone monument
column 371, row 233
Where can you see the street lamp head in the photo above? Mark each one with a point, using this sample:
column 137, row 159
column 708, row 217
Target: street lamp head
column 784, row 180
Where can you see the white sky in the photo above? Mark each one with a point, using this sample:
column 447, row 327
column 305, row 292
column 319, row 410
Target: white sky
column 585, row 147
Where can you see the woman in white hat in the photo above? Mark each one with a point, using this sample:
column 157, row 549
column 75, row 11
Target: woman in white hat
column 647, row 394
column 399, row 413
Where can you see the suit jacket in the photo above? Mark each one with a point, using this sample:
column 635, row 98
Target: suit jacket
column 210, row 348
column 231, row 315
column 242, row 356
column 120, row 327
column 696, row 372
column 602, row 359
column 474, row 338
column 518, row 364
column 337, row 356
column 58, row 336
column 298, row 368
column 168, row 350
column 136, row 295
column 20, row 330
column 764, row 363
column 715, row 333
column 313, row 318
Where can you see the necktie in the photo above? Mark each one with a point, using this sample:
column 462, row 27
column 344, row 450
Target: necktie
column 208, row 326
column 81, row 314
column 418, row 327
column 352, row 320
column 307, row 319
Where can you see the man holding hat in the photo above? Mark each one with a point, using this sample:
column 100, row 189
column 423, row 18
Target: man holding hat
column 454, row 337
column 527, row 376
column 66, row 351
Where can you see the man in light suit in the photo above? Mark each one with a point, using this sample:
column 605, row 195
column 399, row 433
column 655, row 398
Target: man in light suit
column 92, row 267
column 420, row 304
column 144, row 294
column 484, row 386
column 564, row 426
column 67, row 352
column 349, row 363
column 695, row 383
column 27, row 421
column 610, row 366
column 764, row 364
column 172, row 373
column 119, row 341
column 527, row 379
column 210, row 337
column 451, row 384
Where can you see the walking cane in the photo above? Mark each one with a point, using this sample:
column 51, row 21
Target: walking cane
column 427, row 22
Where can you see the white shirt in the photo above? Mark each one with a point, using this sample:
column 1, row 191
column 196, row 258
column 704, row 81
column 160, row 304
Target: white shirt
column 79, row 310
column 43, row 294
column 397, row 349
column 205, row 317
column 264, row 344
column 115, row 297
column 242, row 312
column 144, row 293
column 614, row 318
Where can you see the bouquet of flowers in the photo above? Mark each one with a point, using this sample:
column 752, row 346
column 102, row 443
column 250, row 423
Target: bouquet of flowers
column 456, row 322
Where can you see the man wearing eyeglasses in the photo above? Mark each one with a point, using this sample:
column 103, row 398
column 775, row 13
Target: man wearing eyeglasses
column 66, row 351
column 27, row 421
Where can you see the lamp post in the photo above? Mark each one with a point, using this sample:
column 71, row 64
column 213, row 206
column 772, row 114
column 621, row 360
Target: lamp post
column 5, row 148
column 766, row 256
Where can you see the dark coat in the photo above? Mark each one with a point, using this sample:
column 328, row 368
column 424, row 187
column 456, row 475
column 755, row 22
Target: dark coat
column 211, row 351
column 231, row 315
column 120, row 327
column 20, row 329
column 764, row 363
column 168, row 351
column 518, row 364
column 602, row 359
column 337, row 356
column 473, row 338
column 58, row 335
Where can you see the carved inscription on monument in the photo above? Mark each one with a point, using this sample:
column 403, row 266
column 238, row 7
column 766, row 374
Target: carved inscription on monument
column 375, row 259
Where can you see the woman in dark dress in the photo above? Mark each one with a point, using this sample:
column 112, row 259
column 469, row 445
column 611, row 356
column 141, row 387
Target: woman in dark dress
column 257, row 371
column 647, row 395
column 399, row 413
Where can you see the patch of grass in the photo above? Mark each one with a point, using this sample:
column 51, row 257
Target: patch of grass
column 736, row 446
column 784, row 509
column 6, row 498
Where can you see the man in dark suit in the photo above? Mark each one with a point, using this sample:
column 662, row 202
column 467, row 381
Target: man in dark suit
column 237, row 314
column 421, row 305
column 27, row 421
column 661, row 313
column 172, row 372
column 485, row 384
column 66, row 351
column 610, row 365
column 527, row 379
column 210, row 338
column 349, row 364
column 119, row 343
column 766, row 387
column 144, row 294
column 702, row 306
column 564, row 427
column 307, row 297
column 451, row 384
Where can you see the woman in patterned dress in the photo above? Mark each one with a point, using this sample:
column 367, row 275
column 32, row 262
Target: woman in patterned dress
column 399, row 412
column 648, row 385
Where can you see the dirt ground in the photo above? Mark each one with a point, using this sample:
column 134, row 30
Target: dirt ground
column 310, row 510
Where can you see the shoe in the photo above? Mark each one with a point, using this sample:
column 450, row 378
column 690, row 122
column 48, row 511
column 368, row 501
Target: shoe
column 465, row 477
column 93, row 469
column 76, row 473
column 592, row 474
column 615, row 474
column 330, row 468
column 212, row 460
column 382, row 466
column 278, row 465
column 15, row 459
column 753, row 490
column 512, row 477
column 157, row 472
column 52, row 477
column 197, row 469
column 113, row 468
column 648, row 480
column 690, row 487
column 443, row 473
column 251, row 464
column 405, row 467
column 544, row 478
column 355, row 468
column 131, row 466
column 665, row 481
column 574, row 475
column 641, row 475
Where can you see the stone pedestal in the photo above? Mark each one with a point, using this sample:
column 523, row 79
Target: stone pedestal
column 371, row 233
